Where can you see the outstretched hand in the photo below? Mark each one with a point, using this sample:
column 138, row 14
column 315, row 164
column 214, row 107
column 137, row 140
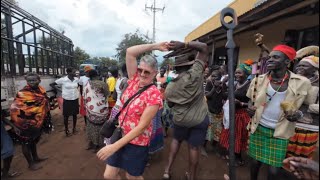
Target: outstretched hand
column 175, row 45
column 106, row 152
column 259, row 38
column 293, row 116
column 162, row 46
column 303, row 168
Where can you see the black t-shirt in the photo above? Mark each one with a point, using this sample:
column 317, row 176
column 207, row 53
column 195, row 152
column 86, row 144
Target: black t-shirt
column 215, row 102
column 241, row 93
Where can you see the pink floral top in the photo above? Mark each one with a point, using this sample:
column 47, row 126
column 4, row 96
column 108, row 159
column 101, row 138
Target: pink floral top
column 136, row 107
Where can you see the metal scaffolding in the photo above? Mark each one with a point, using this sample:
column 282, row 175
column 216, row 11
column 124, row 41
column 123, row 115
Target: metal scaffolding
column 30, row 45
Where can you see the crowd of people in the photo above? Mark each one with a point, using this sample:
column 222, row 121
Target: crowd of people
column 276, row 113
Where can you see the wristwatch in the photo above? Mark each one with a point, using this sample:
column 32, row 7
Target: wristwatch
column 300, row 114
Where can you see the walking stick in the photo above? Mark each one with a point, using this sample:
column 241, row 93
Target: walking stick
column 256, row 70
column 229, row 12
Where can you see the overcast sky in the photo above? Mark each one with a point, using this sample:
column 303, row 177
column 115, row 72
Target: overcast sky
column 97, row 26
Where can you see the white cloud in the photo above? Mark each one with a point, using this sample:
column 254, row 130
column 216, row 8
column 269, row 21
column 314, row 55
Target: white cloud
column 97, row 26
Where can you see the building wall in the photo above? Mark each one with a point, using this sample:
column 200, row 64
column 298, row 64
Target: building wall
column 273, row 33
column 214, row 22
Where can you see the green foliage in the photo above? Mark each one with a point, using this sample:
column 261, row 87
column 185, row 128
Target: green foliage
column 79, row 55
column 166, row 62
column 107, row 62
column 130, row 39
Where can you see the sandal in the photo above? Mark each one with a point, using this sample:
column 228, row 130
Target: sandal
column 166, row 176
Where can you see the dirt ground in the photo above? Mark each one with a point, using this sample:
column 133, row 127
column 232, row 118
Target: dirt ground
column 68, row 159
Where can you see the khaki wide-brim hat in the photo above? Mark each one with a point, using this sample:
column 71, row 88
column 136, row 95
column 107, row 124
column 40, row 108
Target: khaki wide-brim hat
column 183, row 61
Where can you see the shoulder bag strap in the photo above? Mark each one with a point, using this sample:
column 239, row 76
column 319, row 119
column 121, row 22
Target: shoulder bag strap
column 128, row 101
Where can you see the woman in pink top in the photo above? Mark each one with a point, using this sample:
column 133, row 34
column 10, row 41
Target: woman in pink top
column 130, row 153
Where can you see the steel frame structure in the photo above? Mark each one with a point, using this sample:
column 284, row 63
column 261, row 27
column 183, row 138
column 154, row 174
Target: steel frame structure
column 52, row 51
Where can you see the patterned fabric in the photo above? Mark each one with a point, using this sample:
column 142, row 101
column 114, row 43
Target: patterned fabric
column 29, row 111
column 241, row 133
column 95, row 95
column 215, row 127
column 93, row 134
column 134, row 110
column 303, row 143
column 265, row 148
column 157, row 141
column 246, row 68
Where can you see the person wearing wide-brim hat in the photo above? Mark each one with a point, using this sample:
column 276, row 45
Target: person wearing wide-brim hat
column 304, row 142
column 185, row 95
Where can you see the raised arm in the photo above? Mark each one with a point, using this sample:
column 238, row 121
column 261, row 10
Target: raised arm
column 202, row 48
column 135, row 51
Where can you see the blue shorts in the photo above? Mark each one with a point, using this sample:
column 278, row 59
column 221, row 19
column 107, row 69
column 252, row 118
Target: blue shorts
column 131, row 158
column 195, row 136
column 6, row 143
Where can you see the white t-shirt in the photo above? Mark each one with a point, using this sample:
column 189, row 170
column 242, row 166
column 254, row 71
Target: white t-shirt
column 69, row 88
column 83, row 80
column 119, row 92
column 271, row 113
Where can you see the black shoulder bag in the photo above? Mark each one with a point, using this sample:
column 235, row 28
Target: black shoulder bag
column 110, row 128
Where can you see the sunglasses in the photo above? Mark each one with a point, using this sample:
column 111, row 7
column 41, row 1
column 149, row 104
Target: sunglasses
column 145, row 72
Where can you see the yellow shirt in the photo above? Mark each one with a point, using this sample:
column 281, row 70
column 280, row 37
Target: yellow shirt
column 299, row 90
column 111, row 81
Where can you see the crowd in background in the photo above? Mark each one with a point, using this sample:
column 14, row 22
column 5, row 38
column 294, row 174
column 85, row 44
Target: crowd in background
column 276, row 112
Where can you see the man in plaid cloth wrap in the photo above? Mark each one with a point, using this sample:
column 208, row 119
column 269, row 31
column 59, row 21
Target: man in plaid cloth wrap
column 277, row 96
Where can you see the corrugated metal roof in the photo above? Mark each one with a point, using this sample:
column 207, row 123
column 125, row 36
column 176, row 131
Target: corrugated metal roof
column 240, row 6
column 259, row 2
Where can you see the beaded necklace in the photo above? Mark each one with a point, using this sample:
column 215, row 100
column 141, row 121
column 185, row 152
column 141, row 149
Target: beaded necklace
column 281, row 84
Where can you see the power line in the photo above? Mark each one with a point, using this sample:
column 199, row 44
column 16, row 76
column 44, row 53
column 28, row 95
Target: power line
column 154, row 9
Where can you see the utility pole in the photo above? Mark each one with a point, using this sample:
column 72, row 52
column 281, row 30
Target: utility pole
column 154, row 9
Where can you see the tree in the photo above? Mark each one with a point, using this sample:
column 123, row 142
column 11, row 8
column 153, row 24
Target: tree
column 130, row 39
column 107, row 62
column 167, row 62
column 79, row 56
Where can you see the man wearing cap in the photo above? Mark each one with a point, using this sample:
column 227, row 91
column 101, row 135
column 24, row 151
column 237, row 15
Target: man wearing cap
column 82, row 83
column 303, row 143
column 185, row 95
column 277, row 96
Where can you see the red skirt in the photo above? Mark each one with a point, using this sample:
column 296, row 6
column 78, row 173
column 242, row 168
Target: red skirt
column 82, row 107
column 303, row 144
column 241, row 133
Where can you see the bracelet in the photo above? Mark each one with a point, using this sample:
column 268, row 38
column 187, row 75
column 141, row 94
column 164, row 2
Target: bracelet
column 300, row 114
column 186, row 45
